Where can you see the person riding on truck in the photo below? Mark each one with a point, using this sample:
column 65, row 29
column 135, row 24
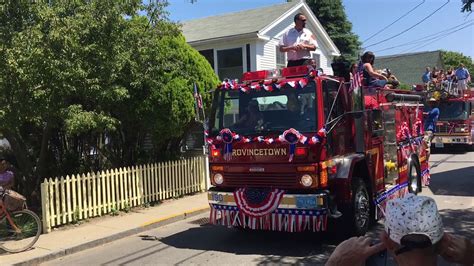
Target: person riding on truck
column 430, row 122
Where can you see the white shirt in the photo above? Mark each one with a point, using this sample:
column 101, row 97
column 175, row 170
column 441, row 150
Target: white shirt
column 294, row 37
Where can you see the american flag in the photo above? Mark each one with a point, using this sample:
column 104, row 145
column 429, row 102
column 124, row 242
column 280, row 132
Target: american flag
column 198, row 97
column 356, row 80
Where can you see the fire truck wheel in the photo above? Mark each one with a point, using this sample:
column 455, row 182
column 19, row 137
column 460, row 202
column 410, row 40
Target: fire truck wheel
column 355, row 220
column 414, row 176
column 361, row 207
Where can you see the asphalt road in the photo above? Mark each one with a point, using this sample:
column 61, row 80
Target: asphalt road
column 195, row 242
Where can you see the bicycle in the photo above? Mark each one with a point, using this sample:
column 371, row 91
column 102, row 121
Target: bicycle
column 19, row 230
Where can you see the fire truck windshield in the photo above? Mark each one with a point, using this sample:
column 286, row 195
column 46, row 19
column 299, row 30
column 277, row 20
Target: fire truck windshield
column 452, row 110
column 260, row 112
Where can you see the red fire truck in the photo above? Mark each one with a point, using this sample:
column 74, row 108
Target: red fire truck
column 455, row 125
column 293, row 151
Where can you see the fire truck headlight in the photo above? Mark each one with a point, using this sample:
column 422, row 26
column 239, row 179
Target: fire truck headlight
column 460, row 129
column 306, row 180
column 218, row 179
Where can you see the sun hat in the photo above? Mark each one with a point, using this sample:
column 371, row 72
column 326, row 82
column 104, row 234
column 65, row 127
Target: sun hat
column 413, row 215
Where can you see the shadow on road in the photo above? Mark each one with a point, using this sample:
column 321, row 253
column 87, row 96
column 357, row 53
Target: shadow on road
column 442, row 183
column 273, row 247
column 449, row 150
column 459, row 221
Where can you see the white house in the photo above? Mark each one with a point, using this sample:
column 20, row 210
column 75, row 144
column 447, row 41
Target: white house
column 243, row 41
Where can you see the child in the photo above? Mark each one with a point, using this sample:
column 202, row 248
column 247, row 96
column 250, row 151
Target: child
column 6, row 177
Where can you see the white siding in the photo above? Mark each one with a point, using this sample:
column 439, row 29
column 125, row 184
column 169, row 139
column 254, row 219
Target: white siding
column 268, row 59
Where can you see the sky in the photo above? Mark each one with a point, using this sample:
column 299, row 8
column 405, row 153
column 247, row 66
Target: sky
column 446, row 29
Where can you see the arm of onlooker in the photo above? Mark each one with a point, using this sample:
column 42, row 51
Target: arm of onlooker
column 372, row 73
column 283, row 46
column 354, row 251
column 457, row 249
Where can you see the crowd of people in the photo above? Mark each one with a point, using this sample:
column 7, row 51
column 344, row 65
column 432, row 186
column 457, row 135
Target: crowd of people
column 453, row 80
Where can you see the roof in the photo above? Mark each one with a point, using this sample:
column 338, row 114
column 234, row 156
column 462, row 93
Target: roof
column 409, row 68
column 252, row 23
column 247, row 21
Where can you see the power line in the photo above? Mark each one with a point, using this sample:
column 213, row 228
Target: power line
column 425, row 38
column 438, row 38
column 414, row 25
column 398, row 19
column 441, row 37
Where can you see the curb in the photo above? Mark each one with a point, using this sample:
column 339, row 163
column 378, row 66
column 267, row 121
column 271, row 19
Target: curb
column 101, row 241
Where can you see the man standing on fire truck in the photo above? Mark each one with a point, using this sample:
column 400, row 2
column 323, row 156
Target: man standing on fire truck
column 298, row 42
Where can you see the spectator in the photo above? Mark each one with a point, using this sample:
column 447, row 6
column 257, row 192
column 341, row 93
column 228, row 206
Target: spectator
column 298, row 42
column 462, row 76
column 371, row 77
column 413, row 235
column 320, row 71
column 434, row 75
column 426, row 78
column 450, row 74
column 7, row 179
column 441, row 76
column 430, row 123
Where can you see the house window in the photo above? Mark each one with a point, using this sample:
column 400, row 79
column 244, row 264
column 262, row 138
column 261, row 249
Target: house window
column 317, row 59
column 209, row 55
column 280, row 58
column 230, row 63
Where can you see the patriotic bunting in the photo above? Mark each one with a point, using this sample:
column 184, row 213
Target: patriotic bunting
column 283, row 220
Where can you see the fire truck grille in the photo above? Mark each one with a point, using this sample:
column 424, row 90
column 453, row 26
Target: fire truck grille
column 442, row 128
column 280, row 180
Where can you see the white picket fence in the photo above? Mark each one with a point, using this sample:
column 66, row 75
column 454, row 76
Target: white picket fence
column 78, row 197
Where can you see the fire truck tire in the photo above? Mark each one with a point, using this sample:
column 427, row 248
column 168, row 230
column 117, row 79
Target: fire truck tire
column 414, row 175
column 356, row 219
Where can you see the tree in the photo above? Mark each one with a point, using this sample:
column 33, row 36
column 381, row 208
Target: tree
column 453, row 59
column 332, row 16
column 86, row 84
column 467, row 5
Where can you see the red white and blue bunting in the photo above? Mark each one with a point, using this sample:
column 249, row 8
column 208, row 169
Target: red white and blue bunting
column 283, row 220
column 398, row 191
column 258, row 202
column 268, row 85
column 290, row 136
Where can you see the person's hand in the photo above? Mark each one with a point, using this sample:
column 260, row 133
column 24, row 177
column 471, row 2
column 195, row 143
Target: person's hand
column 354, row 251
column 456, row 249
column 300, row 46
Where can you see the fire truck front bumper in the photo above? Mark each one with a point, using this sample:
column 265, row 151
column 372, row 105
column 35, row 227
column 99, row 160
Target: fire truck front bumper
column 442, row 141
column 273, row 210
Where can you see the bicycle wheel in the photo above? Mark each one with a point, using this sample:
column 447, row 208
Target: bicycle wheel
column 29, row 226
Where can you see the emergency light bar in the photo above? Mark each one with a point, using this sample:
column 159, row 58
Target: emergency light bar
column 261, row 75
column 288, row 72
column 294, row 71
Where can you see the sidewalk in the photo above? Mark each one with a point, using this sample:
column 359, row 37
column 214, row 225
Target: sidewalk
column 98, row 231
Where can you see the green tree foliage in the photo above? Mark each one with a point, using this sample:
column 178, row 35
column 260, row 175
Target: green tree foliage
column 332, row 16
column 466, row 5
column 92, row 84
column 453, row 59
